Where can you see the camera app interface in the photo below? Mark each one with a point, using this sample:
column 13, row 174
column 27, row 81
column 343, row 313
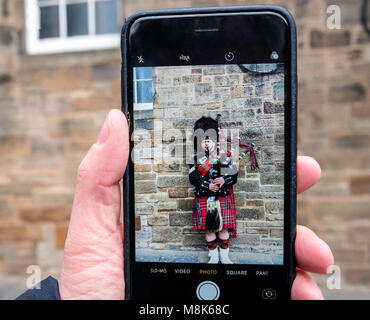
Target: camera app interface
column 209, row 163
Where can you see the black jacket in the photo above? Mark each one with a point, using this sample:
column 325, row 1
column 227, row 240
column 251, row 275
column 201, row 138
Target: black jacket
column 224, row 167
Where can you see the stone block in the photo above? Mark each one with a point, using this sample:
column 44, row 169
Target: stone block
column 357, row 275
column 230, row 80
column 261, row 231
column 270, row 107
column 277, row 233
column 144, row 235
column 242, row 103
column 180, row 219
column 248, row 91
column 172, row 113
column 246, row 240
column 213, row 106
column 17, row 232
column 142, row 167
column 272, row 178
column 247, row 185
column 272, row 243
column 167, row 206
column 166, row 234
column 194, row 240
column 233, row 68
column 145, row 187
column 194, row 78
column 47, row 213
column 225, row 115
column 236, row 92
column 255, row 203
column 251, row 133
column 263, row 90
column 11, row 146
column 360, row 184
column 349, row 93
column 184, row 204
column 143, row 114
column 167, row 167
column 158, row 219
column 239, row 199
column 330, row 38
column 61, row 231
column 275, row 206
column 278, row 89
column 251, row 213
column 105, row 72
column 144, row 208
column 178, row 192
column 137, row 223
column 173, row 181
column 243, row 114
column 214, row 70
column 144, row 124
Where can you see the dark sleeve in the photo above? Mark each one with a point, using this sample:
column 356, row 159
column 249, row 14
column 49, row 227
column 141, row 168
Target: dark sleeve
column 195, row 178
column 47, row 289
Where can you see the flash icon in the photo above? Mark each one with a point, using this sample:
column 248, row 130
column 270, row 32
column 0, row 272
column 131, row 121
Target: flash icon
column 140, row 59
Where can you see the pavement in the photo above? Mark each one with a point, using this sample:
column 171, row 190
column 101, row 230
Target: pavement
column 201, row 256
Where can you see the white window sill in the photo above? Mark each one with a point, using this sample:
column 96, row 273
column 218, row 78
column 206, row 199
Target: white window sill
column 143, row 106
column 73, row 44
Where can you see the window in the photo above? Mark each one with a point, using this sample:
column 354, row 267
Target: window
column 143, row 88
column 55, row 26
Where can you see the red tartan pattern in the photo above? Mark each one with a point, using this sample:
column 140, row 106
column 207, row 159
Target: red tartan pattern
column 228, row 213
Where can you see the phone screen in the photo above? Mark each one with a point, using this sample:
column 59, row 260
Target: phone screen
column 210, row 148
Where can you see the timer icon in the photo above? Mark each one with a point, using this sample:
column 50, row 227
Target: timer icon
column 229, row 56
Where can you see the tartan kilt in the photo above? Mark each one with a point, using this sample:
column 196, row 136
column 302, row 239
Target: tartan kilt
column 228, row 212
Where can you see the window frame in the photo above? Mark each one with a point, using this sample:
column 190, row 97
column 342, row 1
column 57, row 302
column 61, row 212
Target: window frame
column 142, row 106
column 36, row 46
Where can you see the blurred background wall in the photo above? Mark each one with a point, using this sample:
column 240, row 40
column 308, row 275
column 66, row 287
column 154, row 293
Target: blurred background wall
column 52, row 106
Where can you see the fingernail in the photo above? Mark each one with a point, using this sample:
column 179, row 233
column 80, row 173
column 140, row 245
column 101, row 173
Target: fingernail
column 104, row 132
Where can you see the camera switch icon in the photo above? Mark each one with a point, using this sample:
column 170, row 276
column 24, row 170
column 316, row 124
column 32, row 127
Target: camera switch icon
column 269, row 294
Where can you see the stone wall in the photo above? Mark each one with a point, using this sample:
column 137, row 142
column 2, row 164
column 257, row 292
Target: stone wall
column 252, row 108
column 52, row 106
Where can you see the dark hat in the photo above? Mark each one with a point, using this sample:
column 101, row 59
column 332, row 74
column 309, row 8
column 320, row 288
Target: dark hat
column 205, row 123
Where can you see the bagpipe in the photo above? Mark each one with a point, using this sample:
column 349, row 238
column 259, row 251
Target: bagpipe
column 247, row 148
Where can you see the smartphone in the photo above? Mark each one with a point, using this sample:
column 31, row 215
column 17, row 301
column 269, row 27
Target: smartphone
column 210, row 188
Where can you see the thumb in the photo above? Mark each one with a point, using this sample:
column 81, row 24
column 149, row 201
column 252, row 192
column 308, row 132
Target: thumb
column 93, row 253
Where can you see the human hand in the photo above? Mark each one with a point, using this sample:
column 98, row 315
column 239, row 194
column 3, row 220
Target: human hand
column 219, row 181
column 312, row 254
column 213, row 187
column 93, row 253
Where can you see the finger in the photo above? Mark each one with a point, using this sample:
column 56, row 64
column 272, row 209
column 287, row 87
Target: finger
column 93, row 253
column 305, row 287
column 308, row 173
column 312, row 253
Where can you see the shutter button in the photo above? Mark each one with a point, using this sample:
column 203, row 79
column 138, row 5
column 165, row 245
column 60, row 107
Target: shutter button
column 208, row 290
